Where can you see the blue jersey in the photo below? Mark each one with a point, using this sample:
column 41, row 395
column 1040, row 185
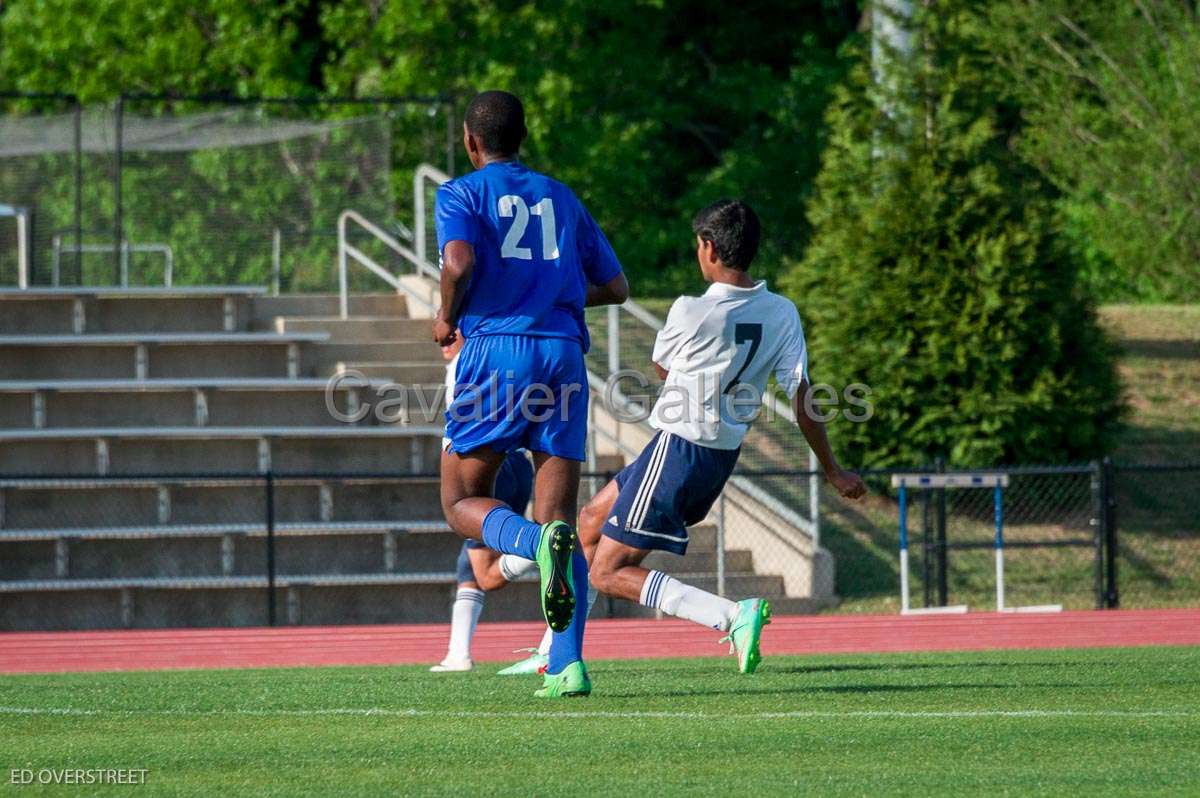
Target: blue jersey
column 536, row 251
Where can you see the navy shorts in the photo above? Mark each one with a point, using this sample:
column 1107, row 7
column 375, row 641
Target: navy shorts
column 514, row 487
column 670, row 486
column 520, row 392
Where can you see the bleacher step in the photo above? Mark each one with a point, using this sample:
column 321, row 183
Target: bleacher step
column 357, row 330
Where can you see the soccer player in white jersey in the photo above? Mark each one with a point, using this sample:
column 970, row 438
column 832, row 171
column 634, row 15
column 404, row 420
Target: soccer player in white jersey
column 716, row 354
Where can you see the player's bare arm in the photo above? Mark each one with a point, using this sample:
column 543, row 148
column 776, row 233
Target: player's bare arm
column 847, row 483
column 458, row 261
column 614, row 292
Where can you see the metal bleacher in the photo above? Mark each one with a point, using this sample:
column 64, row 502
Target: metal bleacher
column 136, row 429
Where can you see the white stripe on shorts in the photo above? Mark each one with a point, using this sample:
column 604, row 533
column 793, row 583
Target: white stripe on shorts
column 641, row 504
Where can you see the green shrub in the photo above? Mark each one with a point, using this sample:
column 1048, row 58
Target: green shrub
column 937, row 277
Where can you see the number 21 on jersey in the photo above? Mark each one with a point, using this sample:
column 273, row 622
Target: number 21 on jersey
column 511, row 206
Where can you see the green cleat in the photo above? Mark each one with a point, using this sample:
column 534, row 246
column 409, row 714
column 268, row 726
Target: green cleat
column 554, row 563
column 534, row 663
column 744, row 635
column 573, row 682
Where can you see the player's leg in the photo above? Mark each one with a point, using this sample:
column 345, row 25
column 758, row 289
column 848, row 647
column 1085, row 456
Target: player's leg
column 485, row 565
column 514, row 487
column 558, row 443
column 616, row 571
column 555, row 497
column 467, row 481
column 468, row 604
column 672, row 485
column 592, row 518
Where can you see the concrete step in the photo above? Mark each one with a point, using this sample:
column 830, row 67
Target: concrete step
column 700, row 561
column 315, row 551
column 110, row 503
column 79, row 310
column 608, row 464
column 357, row 330
column 142, row 355
column 146, row 607
column 266, row 308
column 325, row 358
column 233, row 555
column 401, row 372
column 124, row 405
column 184, row 450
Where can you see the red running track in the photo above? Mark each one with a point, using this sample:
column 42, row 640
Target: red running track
column 153, row 649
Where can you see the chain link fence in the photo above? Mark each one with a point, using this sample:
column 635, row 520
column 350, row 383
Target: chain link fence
column 1156, row 513
column 326, row 548
column 1087, row 536
column 152, row 190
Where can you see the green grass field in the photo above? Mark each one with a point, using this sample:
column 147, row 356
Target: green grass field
column 1093, row 722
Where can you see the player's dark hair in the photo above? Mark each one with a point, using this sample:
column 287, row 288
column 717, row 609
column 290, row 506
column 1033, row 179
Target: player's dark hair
column 732, row 227
column 497, row 120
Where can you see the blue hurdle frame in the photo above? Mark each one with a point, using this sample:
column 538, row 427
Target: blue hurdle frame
column 997, row 482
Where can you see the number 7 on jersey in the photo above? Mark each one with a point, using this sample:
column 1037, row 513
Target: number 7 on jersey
column 743, row 333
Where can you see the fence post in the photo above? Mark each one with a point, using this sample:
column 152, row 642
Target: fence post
column 1111, row 594
column 942, row 551
column 118, row 155
column 276, row 247
column 721, row 545
column 814, row 498
column 1098, row 531
column 78, row 226
column 927, row 549
column 614, row 340
column 270, row 491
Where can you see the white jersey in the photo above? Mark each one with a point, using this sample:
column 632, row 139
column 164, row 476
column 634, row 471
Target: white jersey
column 720, row 350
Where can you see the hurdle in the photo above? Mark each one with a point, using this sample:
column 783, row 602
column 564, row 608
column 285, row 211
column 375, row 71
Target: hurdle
column 997, row 482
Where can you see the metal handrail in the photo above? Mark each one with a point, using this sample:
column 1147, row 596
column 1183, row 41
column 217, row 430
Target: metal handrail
column 126, row 248
column 22, row 217
column 433, row 174
column 345, row 248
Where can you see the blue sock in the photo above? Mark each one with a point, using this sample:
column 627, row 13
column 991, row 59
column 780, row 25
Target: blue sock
column 508, row 533
column 567, row 647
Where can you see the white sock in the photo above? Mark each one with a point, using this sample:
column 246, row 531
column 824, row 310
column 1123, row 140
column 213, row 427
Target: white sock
column 468, row 603
column 544, row 646
column 662, row 592
column 514, row 567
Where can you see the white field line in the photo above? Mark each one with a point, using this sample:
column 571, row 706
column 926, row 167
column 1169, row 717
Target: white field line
column 898, row 714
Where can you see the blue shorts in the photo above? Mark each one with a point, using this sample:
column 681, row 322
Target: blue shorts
column 670, row 486
column 520, row 392
column 514, row 487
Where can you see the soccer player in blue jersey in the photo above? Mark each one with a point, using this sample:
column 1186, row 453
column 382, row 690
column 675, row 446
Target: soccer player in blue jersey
column 480, row 570
column 521, row 258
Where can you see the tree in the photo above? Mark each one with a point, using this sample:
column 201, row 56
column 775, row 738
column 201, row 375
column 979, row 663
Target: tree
column 1109, row 89
column 96, row 49
column 936, row 275
column 649, row 109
